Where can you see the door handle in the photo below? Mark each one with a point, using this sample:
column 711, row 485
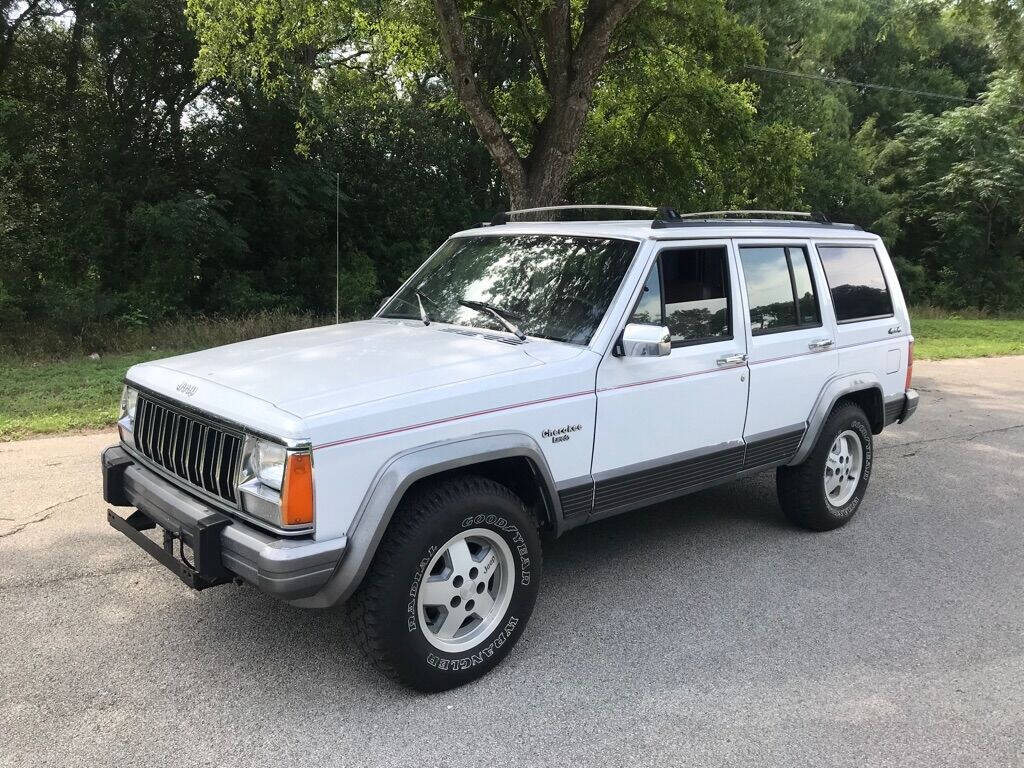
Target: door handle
column 819, row 344
column 738, row 359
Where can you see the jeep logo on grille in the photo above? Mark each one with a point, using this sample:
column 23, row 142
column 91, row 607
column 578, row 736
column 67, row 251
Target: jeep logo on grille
column 187, row 389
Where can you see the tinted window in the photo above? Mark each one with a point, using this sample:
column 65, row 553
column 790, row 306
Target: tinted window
column 769, row 289
column 551, row 286
column 780, row 289
column 806, row 300
column 688, row 291
column 856, row 281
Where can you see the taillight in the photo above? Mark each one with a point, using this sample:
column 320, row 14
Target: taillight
column 910, row 364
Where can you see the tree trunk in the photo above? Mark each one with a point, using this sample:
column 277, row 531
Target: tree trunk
column 569, row 74
column 73, row 62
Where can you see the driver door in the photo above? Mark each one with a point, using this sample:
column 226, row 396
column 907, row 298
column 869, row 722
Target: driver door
column 667, row 425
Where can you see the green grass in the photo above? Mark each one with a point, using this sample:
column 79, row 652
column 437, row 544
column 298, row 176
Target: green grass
column 46, row 397
column 939, row 338
column 52, row 386
column 39, row 396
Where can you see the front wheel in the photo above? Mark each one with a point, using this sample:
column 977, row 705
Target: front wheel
column 825, row 490
column 452, row 585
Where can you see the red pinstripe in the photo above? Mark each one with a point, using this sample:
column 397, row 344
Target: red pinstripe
column 435, row 422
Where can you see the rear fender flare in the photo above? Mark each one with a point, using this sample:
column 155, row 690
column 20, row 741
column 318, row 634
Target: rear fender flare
column 833, row 391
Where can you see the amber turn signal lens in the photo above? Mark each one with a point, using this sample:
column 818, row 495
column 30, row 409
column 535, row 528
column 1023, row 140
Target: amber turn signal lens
column 297, row 493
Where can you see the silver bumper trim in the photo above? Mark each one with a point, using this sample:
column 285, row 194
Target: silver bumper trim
column 288, row 568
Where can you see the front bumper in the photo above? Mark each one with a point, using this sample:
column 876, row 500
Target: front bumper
column 222, row 547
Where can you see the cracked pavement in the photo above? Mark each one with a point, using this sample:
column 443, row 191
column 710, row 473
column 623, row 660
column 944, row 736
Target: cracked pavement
column 700, row 632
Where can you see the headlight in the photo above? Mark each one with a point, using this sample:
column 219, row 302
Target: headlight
column 277, row 483
column 268, row 463
column 129, row 403
column 126, row 421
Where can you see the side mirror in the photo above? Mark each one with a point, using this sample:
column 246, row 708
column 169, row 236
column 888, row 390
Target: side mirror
column 645, row 341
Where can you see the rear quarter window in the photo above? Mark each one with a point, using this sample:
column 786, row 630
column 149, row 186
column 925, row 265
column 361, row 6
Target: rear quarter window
column 856, row 281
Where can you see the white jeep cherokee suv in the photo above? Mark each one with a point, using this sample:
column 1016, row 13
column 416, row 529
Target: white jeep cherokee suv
column 530, row 377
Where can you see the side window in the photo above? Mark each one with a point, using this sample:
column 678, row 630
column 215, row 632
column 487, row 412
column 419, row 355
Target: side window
column 780, row 289
column 648, row 308
column 688, row 291
column 859, row 291
column 803, row 283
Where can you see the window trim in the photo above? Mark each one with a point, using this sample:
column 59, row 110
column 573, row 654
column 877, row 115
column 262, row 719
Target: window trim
column 786, row 248
column 661, row 282
column 814, row 288
column 881, row 268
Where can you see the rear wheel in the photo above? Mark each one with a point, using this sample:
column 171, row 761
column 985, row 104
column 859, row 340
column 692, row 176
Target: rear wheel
column 825, row 490
column 452, row 585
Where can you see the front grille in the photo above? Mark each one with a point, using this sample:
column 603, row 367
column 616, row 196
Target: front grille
column 198, row 452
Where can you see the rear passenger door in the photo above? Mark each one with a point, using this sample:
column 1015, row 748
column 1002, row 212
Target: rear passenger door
column 791, row 338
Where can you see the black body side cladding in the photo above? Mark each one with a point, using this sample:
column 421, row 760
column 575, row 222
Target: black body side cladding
column 650, row 485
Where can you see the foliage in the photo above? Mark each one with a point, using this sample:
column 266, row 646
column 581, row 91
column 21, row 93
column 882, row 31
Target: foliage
column 959, row 179
column 157, row 165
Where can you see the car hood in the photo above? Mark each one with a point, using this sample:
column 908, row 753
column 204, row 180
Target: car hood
column 309, row 372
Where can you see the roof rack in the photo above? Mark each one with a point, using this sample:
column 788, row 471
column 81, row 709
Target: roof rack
column 664, row 216
column 706, row 215
column 503, row 217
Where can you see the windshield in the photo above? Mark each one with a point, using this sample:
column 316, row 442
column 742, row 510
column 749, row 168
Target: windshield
column 552, row 286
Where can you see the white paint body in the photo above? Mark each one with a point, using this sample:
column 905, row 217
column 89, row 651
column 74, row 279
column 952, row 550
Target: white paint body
column 364, row 392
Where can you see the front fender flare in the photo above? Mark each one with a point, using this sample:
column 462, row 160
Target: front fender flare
column 395, row 478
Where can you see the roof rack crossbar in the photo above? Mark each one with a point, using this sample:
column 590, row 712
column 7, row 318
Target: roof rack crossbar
column 503, row 217
column 682, row 219
column 706, row 214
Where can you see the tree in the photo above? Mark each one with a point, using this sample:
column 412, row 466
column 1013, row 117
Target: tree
column 528, row 73
column 567, row 64
column 958, row 179
column 15, row 16
column 1003, row 20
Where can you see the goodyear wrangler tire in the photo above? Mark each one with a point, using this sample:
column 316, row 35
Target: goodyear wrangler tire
column 452, row 585
column 825, row 490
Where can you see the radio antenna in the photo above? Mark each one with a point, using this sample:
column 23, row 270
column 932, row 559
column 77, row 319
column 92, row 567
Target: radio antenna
column 337, row 243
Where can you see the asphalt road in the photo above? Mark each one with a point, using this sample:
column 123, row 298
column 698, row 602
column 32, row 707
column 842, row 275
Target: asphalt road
column 704, row 632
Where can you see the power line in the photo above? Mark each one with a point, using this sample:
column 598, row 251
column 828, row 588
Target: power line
column 874, row 86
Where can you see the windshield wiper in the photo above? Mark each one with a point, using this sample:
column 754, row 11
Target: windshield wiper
column 501, row 315
column 423, row 313
column 419, row 305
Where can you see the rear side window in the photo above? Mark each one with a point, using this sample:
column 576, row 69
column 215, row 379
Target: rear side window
column 859, row 291
column 688, row 291
column 780, row 289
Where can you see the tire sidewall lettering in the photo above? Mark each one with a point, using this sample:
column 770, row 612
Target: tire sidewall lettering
column 448, row 663
column 864, row 432
column 515, row 537
column 412, row 615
